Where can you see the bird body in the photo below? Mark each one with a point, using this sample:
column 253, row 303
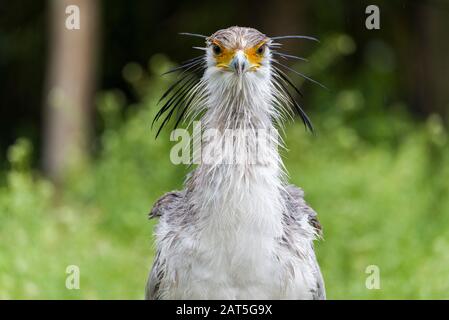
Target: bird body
column 237, row 230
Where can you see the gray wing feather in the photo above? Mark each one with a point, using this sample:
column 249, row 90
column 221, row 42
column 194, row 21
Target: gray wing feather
column 154, row 280
column 166, row 203
column 297, row 207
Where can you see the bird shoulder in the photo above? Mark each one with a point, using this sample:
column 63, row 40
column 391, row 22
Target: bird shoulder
column 297, row 207
column 165, row 203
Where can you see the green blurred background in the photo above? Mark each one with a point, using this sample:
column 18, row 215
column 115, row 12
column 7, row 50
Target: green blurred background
column 80, row 168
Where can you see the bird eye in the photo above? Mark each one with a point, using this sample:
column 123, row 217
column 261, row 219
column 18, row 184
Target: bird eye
column 261, row 49
column 216, row 49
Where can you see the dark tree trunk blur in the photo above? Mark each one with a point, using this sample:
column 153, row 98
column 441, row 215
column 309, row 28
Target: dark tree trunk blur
column 284, row 18
column 427, row 61
column 70, row 81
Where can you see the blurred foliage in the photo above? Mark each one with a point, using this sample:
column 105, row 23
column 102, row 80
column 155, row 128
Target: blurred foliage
column 377, row 178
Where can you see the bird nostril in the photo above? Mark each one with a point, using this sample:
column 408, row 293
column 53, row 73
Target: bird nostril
column 235, row 64
column 242, row 66
column 238, row 64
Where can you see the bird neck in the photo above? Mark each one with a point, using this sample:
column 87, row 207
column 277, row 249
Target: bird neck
column 240, row 175
column 238, row 128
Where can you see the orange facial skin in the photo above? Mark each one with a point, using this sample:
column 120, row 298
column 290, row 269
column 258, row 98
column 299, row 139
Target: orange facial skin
column 224, row 58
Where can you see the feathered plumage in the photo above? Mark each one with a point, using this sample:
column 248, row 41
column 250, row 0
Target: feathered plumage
column 237, row 230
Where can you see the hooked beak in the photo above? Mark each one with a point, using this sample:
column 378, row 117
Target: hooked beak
column 239, row 63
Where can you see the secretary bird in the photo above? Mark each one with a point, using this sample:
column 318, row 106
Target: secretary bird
column 237, row 230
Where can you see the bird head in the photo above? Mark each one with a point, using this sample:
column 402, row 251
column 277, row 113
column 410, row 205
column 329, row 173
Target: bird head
column 239, row 64
column 238, row 51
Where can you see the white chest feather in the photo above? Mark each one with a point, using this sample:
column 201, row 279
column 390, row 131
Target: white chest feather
column 240, row 236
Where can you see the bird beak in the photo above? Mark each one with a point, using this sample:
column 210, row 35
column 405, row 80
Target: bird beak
column 239, row 63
